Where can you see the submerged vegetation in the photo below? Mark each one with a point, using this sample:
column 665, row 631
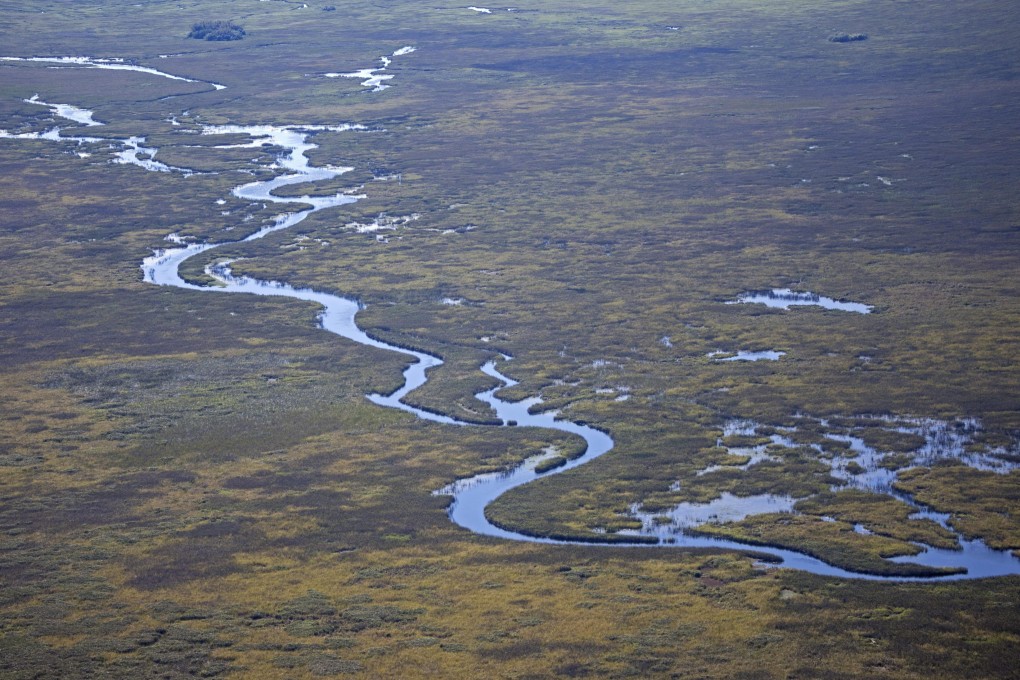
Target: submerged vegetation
column 195, row 483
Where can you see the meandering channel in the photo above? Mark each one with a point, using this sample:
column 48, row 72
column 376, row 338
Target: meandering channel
column 470, row 497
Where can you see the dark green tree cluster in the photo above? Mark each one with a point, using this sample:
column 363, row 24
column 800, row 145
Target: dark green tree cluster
column 216, row 30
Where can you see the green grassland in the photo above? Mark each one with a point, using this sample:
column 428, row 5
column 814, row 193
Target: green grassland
column 194, row 484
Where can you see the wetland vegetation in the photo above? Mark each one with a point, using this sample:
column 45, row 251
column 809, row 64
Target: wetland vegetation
column 196, row 483
column 216, row 31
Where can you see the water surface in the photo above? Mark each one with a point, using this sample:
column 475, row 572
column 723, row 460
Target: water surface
column 784, row 298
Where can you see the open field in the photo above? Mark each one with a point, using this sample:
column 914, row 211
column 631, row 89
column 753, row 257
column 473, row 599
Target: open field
column 196, row 484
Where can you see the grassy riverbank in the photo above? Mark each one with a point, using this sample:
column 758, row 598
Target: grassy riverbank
column 195, row 484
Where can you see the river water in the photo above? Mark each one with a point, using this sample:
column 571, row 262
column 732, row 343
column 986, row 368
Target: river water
column 471, row 496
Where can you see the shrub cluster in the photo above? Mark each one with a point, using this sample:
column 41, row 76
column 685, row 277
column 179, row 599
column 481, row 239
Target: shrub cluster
column 847, row 37
column 216, row 30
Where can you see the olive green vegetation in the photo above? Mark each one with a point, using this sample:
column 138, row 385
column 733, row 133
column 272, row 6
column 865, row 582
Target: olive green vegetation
column 989, row 501
column 194, row 483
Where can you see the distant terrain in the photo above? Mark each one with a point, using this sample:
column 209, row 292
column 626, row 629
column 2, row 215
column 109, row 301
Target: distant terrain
column 614, row 202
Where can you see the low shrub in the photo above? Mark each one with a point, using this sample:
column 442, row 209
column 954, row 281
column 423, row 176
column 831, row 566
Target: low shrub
column 216, row 30
column 847, row 37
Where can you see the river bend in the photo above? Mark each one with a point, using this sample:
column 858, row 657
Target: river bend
column 470, row 496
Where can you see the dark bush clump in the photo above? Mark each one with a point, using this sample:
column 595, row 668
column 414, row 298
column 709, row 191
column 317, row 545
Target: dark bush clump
column 848, row 37
column 216, row 30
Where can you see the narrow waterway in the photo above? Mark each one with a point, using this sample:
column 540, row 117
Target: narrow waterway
column 109, row 65
column 470, row 497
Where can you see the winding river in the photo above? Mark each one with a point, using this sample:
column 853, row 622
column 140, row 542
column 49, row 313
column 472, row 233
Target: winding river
column 470, row 496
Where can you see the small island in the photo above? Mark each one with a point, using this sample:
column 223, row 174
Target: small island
column 217, row 31
column 847, row 37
